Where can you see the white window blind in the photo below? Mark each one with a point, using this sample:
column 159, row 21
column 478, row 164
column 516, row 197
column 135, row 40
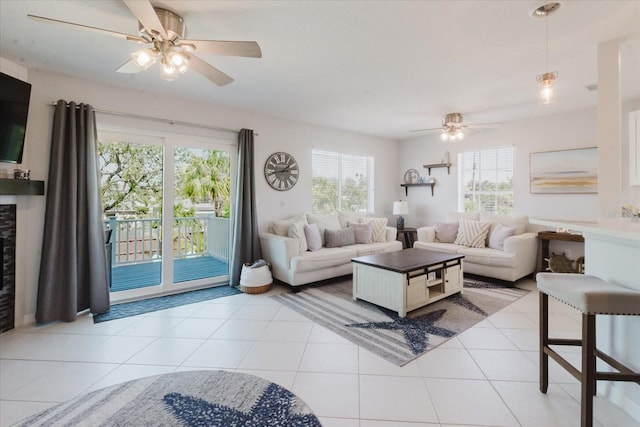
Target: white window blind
column 341, row 182
column 486, row 180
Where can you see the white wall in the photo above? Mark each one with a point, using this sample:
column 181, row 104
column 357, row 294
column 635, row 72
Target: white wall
column 274, row 135
column 557, row 132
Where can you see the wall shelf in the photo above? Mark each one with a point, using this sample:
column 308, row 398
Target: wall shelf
column 424, row 184
column 438, row 165
column 21, row 187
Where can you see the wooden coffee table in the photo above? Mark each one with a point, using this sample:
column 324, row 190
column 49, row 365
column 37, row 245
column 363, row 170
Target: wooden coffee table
column 406, row 280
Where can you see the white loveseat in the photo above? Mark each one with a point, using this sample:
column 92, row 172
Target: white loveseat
column 516, row 259
column 293, row 264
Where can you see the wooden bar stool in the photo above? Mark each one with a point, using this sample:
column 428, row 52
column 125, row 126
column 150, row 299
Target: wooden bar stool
column 591, row 296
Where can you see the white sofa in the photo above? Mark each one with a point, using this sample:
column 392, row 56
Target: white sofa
column 517, row 259
column 294, row 266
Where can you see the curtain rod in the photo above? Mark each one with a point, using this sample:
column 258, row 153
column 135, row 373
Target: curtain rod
column 158, row 119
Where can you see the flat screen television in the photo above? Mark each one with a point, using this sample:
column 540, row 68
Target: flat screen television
column 14, row 108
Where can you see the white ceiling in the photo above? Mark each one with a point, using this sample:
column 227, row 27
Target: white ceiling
column 376, row 67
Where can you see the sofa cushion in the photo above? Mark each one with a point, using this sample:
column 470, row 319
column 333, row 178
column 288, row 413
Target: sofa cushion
column 338, row 238
column 324, row 221
column 449, row 248
column 296, row 231
column 446, row 232
column 363, row 232
column 488, row 257
column 324, row 258
column 472, row 233
column 345, row 217
column 379, row 228
column 499, row 234
column 314, row 241
column 518, row 221
column 281, row 226
column 377, row 248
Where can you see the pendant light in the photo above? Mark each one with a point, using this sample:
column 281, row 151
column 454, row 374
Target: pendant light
column 546, row 80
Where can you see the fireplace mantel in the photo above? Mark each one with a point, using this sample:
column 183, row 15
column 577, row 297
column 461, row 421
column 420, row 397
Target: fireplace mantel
column 21, row 187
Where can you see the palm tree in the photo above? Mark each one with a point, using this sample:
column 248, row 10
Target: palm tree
column 206, row 179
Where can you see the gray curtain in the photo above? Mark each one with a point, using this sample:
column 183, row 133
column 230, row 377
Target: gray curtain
column 245, row 245
column 73, row 267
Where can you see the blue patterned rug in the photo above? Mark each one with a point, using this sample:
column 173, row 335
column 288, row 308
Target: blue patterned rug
column 190, row 398
column 399, row 339
column 127, row 309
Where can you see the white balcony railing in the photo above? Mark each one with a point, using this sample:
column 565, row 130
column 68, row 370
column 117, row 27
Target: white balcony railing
column 140, row 240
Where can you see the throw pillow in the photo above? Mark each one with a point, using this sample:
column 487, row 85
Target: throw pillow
column 345, row 217
column 281, row 226
column 500, row 233
column 446, row 232
column 296, row 231
column 472, row 233
column 312, row 234
column 324, row 221
column 379, row 228
column 341, row 237
column 363, row 232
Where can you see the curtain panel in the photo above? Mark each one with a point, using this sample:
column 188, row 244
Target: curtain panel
column 73, row 267
column 245, row 245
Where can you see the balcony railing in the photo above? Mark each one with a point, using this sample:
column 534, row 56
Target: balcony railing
column 140, row 240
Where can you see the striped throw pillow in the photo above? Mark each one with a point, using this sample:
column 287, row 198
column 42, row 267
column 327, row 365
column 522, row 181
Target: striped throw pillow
column 379, row 228
column 472, row 233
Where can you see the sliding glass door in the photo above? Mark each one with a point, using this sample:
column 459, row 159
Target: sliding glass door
column 166, row 205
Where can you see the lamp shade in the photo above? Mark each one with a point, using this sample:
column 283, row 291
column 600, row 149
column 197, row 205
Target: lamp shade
column 400, row 208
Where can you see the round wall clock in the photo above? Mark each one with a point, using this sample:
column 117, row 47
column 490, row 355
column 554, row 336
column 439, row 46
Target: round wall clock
column 281, row 171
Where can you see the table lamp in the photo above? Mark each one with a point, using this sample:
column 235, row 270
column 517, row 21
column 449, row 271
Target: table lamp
column 400, row 208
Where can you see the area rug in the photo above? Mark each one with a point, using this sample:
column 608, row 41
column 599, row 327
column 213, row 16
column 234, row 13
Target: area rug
column 133, row 308
column 383, row 332
column 190, row 398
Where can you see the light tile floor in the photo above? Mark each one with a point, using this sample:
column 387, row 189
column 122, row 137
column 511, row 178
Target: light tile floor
column 486, row 376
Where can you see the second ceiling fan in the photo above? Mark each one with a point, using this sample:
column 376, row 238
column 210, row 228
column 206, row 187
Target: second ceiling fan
column 453, row 128
column 165, row 31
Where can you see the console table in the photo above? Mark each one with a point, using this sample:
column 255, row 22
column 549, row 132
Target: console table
column 546, row 236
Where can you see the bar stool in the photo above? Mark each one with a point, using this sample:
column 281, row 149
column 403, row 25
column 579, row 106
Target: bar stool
column 591, row 296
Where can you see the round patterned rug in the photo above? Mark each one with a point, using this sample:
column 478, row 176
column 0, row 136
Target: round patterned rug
column 190, row 398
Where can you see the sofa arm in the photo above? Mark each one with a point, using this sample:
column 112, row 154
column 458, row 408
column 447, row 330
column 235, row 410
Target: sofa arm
column 426, row 234
column 392, row 233
column 278, row 250
column 525, row 246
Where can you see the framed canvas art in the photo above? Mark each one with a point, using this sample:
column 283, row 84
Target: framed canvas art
column 564, row 172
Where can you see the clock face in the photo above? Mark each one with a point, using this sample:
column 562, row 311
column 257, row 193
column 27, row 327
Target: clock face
column 281, row 171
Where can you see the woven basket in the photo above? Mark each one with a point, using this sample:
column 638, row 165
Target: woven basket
column 255, row 280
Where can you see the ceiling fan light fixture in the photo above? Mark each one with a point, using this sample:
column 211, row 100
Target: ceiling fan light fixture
column 179, row 61
column 168, row 71
column 144, row 58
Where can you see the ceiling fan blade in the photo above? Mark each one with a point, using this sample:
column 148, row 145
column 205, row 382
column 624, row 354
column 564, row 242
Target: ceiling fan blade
column 228, row 48
column 426, row 130
column 129, row 67
column 485, row 125
column 143, row 11
column 209, row 71
column 86, row 27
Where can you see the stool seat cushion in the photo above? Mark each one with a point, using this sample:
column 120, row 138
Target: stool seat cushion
column 590, row 294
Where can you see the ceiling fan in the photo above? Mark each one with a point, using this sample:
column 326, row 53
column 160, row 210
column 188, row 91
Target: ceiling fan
column 165, row 31
column 452, row 128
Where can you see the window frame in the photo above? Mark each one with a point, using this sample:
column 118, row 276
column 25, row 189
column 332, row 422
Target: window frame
column 343, row 159
column 500, row 154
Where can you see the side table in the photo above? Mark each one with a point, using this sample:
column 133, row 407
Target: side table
column 546, row 236
column 409, row 235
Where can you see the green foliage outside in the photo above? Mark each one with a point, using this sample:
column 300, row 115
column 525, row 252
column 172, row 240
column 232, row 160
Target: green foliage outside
column 131, row 186
column 327, row 199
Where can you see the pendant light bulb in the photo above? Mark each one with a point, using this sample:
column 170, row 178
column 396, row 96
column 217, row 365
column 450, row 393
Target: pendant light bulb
column 144, row 58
